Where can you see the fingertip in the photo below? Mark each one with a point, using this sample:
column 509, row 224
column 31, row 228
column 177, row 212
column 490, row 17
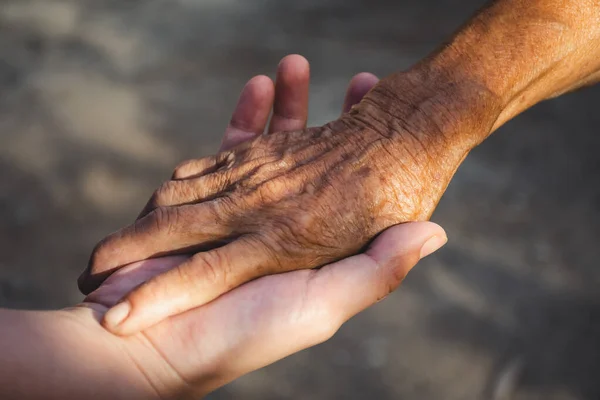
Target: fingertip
column 364, row 78
column 427, row 227
column 134, row 312
column 294, row 67
column 257, row 96
column 293, row 76
column 290, row 109
column 260, row 87
column 251, row 114
column 254, row 105
column 358, row 87
column 114, row 319
column 194, row 168
column 406, row 240
column 432, row 245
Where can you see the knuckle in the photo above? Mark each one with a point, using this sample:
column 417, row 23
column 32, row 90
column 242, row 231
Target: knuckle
column 392, row 283
column 165, row 218
column 397, row 275
column 170, row 193
column 264, row 169
column 399, row 268
column 271, row 165
column 220, row 180
column 183, row 169
column 224, row 208
column 273, row 189
column 259, row 148
column 278, row 184
column 304, row 227
column 153, row 203
column 285, row 228
column 99, row 253
column 207, row 267
column 227, row 159
column 158, row 197
column 272, row 249
column 284, row 240
column 390, row 274
column 148, row 292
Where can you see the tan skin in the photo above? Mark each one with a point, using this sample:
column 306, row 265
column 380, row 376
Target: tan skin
column 66, row 354
column 303, row 198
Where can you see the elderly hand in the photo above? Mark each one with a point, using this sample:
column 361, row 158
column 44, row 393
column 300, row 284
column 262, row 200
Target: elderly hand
column 262, row 321
column 193, row 353
column 67, row 354
column 283, row 201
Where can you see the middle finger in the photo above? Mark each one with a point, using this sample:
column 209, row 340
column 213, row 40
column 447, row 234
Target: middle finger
column 290, row 111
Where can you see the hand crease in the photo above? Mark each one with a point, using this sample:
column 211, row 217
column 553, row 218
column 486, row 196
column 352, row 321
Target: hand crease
column 142, row 370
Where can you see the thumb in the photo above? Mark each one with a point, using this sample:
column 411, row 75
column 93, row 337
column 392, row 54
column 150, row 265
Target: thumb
column 275, row 316
column 356, row 283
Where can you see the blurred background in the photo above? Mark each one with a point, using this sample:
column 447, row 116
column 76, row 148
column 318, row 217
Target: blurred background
column 100, row 99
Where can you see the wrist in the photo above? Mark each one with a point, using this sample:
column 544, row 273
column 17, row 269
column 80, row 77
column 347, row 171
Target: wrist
column 525, row 52
column 426, row 122
column 64, row 355
column 444, row 110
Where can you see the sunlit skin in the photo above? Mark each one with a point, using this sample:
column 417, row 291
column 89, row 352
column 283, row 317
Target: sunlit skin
column 66, row 354
column 302, row 198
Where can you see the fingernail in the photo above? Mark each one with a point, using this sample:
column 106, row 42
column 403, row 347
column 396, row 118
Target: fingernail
column 433, row 245
column 116, row 315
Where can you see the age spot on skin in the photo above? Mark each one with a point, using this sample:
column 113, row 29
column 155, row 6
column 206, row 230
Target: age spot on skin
column 364, row 172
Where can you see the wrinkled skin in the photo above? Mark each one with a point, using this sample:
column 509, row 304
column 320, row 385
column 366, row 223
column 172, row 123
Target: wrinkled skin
column 303, row 198
column 68, row 355
column 285, row 201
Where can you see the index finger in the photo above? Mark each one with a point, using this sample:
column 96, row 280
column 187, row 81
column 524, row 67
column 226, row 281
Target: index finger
column 276, row 316
column 251, row 113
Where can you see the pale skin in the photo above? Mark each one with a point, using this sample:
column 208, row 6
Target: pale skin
column 303, row 198
column 68, row 355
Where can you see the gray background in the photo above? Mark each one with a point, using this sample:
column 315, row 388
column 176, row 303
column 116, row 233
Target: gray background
column 99, row 99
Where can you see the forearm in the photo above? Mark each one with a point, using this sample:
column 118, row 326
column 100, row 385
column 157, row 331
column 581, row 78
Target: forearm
column 52, row 355
column 526, row 51
column 510, row 56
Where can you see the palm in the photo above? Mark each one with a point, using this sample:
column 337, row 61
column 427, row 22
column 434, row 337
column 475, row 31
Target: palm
column 260, row 322
column 269, row 318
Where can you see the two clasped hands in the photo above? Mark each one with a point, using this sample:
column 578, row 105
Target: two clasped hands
column 209, row 324
column 217, row 277
column 180, row 326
